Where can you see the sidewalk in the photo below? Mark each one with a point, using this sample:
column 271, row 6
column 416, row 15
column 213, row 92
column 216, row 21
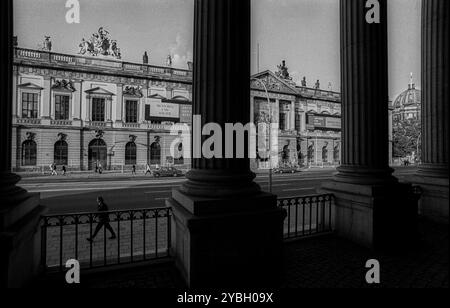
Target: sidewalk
column 119, row 175
column 85, row 176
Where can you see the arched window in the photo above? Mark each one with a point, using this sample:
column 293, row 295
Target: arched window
column 97, row 154
column 155, row 153
column 179, row 159
column 130, row 153
column 61, row 153
column 29, row 153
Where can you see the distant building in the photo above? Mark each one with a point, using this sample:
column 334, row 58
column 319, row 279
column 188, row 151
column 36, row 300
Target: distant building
column 407, row 105
column 308, row 120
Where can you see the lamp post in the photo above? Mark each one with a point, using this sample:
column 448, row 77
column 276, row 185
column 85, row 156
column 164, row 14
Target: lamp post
column 270, row 129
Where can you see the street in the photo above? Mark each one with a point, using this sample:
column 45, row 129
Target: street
column 71, row 195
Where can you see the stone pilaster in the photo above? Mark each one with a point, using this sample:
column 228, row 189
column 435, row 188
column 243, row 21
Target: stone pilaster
column 19, row 210
column 226, row 229
column 119, row 103
column 372, row 208
column 46, row 99
column 432, row 175
column 76, row 100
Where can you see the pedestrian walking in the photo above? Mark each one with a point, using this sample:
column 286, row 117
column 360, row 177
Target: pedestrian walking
column 53, row 168
column 100, row 168
column 96, row 167
column 133, row 170
column 103, row 220
column 64, row 170
column 148, row 170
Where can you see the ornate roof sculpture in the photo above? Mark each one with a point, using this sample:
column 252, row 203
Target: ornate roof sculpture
column 133, row 91
column 63, row 85
column 283, row 71
column 100, row 44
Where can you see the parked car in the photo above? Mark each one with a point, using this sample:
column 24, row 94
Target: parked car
column 282, row 170
column 166, row 172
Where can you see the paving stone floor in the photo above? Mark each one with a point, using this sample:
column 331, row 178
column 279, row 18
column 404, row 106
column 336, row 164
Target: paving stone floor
column 319, row 262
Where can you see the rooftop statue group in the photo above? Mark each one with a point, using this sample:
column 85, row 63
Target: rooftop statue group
column 100, row 43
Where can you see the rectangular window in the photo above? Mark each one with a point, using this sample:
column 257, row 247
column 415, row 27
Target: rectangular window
column 147, row 112
column 62, row 107
column 30, row 105
column 282, row 121
column 131, row 112
column 297, row 122
column 98, row 109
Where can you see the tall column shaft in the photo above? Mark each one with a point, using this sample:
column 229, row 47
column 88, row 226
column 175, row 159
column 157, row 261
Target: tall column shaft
column 364, row 74
column 220, row 203
column 220, row 92
column 435, row 87
column 371, row 207
column 9, row 192
column 19, row 211
column 432, row 175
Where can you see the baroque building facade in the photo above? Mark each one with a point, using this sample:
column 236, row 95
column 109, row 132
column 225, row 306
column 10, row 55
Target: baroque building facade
column 80, row 111
column 307, row 120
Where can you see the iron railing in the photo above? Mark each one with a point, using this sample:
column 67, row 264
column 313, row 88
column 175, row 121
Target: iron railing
column 145, row 234
column 307, row 216
column 141, row 235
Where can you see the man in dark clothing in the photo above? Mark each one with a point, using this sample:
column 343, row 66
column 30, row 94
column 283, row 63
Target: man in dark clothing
column 103, row 220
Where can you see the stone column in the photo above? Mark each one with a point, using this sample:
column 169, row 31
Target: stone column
column 372, row 208
column 432, row 175
column 19, row 210
column 225, row 229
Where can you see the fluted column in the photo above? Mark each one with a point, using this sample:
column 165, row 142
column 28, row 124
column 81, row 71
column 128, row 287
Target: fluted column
column 435, row 87
column 20, row 212
column 220, row 203
column 9, row 192
column 364, row 74
column 432, row 175
column 371, row 207
column 220, row 92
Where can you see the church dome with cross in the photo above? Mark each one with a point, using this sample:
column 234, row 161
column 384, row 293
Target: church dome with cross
column 407, row 105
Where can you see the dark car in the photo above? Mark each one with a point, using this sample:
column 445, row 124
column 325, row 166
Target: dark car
column 281, row 170
column 167, row 171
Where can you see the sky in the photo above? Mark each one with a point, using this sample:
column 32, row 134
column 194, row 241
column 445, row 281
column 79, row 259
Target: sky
column 305, row 33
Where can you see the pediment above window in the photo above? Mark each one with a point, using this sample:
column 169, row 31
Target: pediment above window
column 30, row 86
column 157, row 96
column 99, row 91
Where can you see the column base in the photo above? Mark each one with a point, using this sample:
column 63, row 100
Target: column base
column 379, row 217
column 434, row 201
column 228, row 242
column 20, row 240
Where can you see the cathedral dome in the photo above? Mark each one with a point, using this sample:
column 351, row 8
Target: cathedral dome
column 408, row 104
column 408, row 98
